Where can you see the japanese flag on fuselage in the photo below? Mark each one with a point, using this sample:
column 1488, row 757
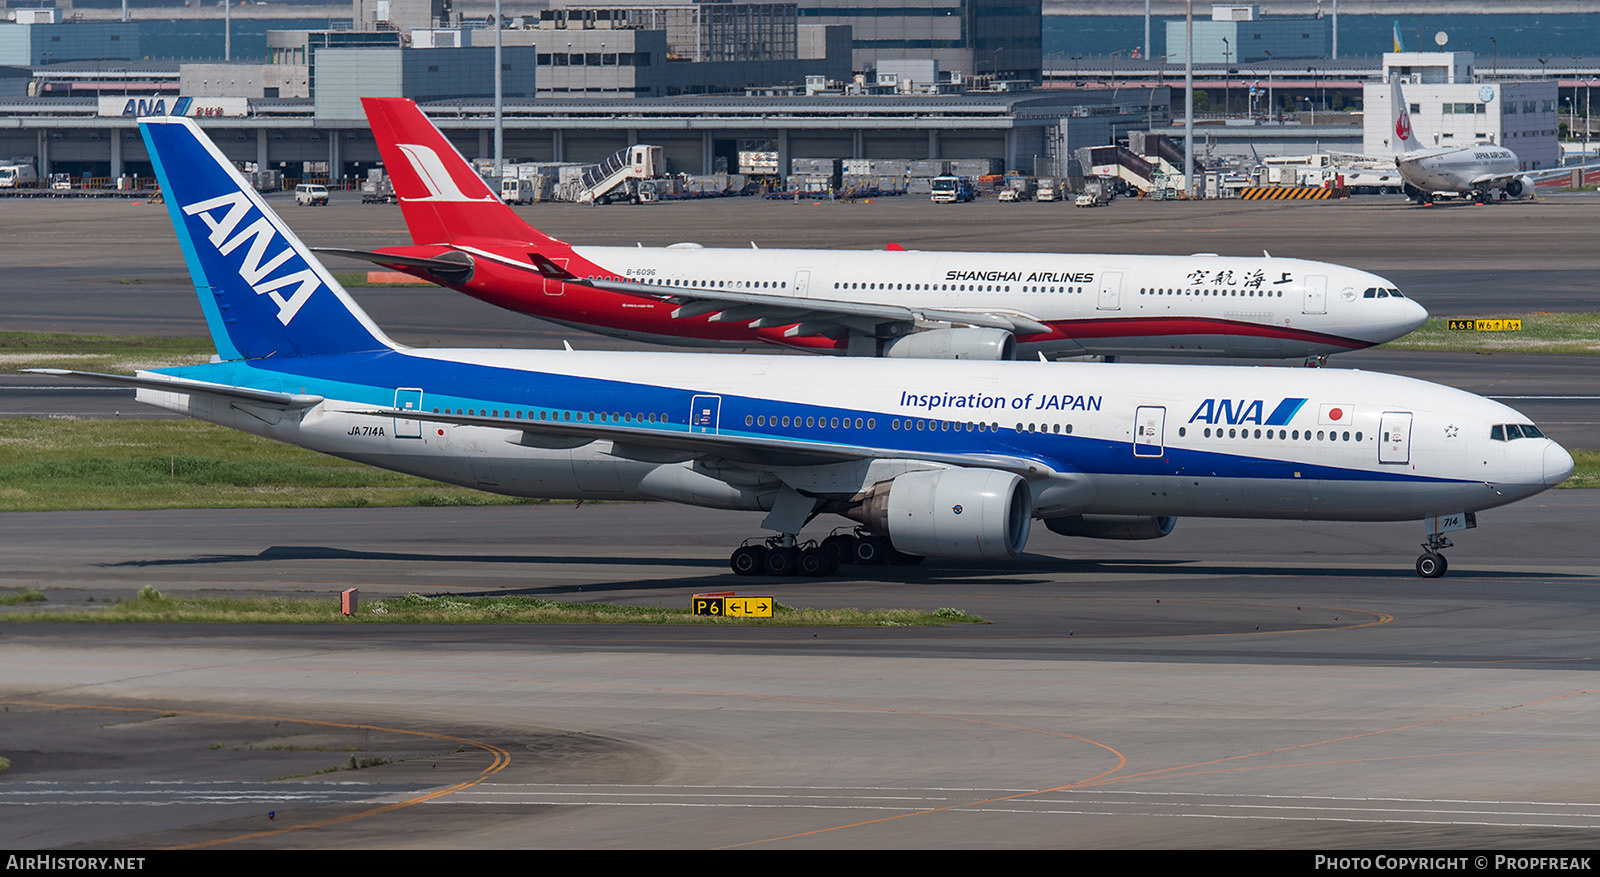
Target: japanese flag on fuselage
column 1335, row 415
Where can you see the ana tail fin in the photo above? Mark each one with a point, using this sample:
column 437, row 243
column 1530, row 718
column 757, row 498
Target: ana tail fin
column 262, row 291
column 442, row 197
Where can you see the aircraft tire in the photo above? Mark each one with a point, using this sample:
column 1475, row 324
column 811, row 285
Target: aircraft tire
column 1431, row 565
column 817, row 562
column 781, row 562
column 748, row 560
column 870, row 549
column 842, row 545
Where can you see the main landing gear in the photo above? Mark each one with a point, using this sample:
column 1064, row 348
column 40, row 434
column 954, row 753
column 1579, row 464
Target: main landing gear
column 784, row 556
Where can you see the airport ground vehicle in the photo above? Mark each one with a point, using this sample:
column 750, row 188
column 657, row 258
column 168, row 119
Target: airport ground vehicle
column 952, row 190
column 311, row 195
column 17, row 176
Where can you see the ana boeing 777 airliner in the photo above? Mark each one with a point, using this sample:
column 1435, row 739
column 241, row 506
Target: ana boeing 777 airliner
column 891, row 302
column 932, row 458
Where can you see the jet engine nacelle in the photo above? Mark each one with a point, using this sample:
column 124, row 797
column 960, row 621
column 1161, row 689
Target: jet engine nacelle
column 1112, row 526
column 963, row 513
column 956, row 343
column 1516, row 187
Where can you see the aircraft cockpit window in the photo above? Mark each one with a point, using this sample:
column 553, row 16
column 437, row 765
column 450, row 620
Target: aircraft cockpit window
column 1383, row 293
column 1372, row 292
column 1509, row 432
column 1396, row 293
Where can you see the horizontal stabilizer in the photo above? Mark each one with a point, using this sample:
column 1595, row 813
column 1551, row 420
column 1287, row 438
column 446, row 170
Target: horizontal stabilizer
column 450, row 268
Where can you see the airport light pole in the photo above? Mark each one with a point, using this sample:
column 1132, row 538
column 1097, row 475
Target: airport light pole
column 1188, row 99
column 1226, row 78
column 1271, row 107
column 1147, row 28
column 499, row 101
column 1114, row 71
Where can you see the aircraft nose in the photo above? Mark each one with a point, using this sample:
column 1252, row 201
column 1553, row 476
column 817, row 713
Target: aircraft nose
column 1557, row 464
column 1413, row 316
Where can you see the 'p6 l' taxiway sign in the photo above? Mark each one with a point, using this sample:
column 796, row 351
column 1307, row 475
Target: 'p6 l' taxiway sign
column 731, row 606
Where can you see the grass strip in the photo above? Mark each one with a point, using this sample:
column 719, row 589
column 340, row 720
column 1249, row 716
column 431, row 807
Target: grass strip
column 104, row 353
column 1541, row 333
column 150, row 605
column 1586, row 473
column 77, row 465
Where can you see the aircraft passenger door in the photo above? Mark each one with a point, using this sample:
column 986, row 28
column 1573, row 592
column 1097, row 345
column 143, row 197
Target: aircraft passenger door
column 1149, row 431
column 1316, row 294
column 407, row 399
column 1110, row 291
column 1394, row 437
column 553, row 286
column 802, row 283
column 705, row 414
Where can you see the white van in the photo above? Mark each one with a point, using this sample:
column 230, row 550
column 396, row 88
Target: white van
column 311, row 195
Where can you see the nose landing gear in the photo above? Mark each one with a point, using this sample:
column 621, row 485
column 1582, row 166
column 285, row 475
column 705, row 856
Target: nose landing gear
column 1432, row 564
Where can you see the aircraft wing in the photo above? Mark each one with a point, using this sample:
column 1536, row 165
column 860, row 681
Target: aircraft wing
column 811, row 316
column 1491, row 179
column 285, row 401
column 657, row 445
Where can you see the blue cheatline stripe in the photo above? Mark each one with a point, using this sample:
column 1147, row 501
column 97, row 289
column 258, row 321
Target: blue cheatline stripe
column 371, row 379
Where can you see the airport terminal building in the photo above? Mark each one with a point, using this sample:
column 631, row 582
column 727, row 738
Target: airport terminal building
column 951, row 79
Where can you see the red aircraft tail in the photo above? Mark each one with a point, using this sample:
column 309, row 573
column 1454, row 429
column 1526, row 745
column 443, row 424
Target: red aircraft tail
column 441, row 196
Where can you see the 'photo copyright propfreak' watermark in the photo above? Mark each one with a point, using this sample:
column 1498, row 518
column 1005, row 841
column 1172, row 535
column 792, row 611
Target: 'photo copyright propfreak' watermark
column 1496, row 862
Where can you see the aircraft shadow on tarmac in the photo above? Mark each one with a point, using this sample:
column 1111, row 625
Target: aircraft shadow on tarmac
column 1024, row 570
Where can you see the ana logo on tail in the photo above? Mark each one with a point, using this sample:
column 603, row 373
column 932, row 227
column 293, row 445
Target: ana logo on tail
column 432, row 172
column 255, row 266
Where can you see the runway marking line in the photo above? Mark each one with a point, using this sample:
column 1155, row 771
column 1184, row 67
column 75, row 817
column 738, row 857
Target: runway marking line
column 501, row 760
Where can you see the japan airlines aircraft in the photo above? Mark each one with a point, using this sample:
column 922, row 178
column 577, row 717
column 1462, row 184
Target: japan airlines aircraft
column 891, row 302
column 932, row 458
column 1474, row 170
